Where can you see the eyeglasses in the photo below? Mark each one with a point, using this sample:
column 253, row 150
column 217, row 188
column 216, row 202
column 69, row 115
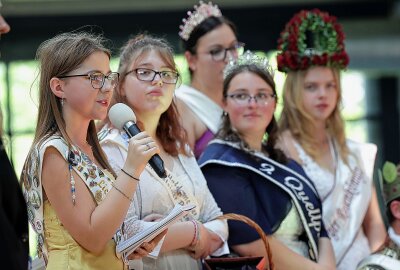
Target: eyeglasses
column 97, row 79
column 219, row 54
column 148, row 75
column 260, row 98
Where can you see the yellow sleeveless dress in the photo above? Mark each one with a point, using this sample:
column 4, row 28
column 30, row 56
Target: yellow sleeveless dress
column 55, row 244
column 65, row 253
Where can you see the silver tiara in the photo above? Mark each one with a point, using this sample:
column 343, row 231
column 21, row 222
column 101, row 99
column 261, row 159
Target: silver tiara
column 200, row 13
column 249, row 58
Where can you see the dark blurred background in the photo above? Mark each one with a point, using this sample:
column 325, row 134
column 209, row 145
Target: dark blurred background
column 372, row 29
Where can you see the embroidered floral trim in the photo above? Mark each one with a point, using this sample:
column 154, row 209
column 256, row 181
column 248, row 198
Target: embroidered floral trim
column 98, row 181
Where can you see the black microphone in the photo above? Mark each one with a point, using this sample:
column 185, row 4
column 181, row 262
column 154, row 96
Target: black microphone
column 123, row 118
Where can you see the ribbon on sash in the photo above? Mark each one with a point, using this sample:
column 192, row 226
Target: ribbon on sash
column 299, row 188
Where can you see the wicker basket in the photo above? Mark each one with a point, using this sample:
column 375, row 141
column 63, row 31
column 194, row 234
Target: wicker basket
column 260, row 231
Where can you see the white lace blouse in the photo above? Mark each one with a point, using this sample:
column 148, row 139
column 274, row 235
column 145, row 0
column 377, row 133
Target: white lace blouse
column 155, row 195
column 325, row 183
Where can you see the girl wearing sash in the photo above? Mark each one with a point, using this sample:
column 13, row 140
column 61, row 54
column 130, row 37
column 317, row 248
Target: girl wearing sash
column 209, row 40
column 312, row 133
column 148, row 80
column 76, row 203
column 248, row 175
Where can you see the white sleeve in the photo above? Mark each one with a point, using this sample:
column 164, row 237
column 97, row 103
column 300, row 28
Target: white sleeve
column 219, row 227
column 209, row 211
column 115, row 155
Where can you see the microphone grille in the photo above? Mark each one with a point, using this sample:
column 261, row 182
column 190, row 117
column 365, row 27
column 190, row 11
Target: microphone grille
column 119, row 114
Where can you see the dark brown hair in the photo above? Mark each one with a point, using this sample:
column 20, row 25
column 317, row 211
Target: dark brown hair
column 203, row 28
column 227, row 133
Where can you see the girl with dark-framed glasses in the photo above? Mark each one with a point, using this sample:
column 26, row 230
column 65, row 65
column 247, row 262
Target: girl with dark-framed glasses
column 76, row 203
column 209, row 41
column 148, row 80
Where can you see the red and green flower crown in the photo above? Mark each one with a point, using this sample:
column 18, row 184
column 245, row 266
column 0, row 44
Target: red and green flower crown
column 311, row 38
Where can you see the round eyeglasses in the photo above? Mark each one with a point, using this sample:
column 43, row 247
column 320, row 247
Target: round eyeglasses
column 219, row 54
column 97, row 79
column 148, row 75
column 244, row 99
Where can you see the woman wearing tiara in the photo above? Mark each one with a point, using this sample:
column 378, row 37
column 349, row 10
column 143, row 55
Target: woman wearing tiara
column 263, row 184
column 312, row 133
column 209, row 41
column 148, row 80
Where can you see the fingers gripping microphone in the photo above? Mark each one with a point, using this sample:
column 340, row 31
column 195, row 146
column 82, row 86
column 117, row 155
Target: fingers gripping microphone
column 123, row 118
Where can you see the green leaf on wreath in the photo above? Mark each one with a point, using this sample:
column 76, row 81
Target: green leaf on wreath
column 389, row 172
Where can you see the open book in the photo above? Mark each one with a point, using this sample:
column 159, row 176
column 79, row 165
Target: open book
column 126, row 247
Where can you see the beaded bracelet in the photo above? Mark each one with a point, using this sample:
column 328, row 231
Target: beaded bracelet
column 130, row 175
column 196, row 235
column 120, row 191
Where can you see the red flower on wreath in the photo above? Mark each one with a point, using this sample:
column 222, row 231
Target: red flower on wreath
column 294, row 52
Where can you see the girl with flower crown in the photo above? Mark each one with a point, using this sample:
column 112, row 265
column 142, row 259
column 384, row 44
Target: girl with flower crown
column 148, row 80
column 248, row 175
column 209, row 41
column 312, row 133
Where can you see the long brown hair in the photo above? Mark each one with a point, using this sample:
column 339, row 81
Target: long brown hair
column 301, row 125
column 57, row 57
column 170, row 133
column 227, row 133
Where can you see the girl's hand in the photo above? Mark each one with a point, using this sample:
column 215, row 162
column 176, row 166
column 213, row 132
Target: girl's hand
column 202, row 248
column 147, row 247
column 141, row 148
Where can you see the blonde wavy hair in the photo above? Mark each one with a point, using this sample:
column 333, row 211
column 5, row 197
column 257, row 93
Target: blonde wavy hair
column 295, row 119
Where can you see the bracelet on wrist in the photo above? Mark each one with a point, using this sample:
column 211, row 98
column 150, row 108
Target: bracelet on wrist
column 196, row 235
column 121, row 192
column 130, row 175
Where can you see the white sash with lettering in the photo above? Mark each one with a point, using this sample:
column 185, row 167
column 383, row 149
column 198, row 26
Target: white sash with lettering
column 346, row 205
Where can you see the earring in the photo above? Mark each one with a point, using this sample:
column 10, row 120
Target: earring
column 62, row 102
column 225, row 113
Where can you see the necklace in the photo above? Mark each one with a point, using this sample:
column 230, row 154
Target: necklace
column 87, row 152
column 334, row 153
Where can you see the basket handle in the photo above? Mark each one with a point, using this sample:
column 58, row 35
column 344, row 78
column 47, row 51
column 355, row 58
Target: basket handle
column 251, row 223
